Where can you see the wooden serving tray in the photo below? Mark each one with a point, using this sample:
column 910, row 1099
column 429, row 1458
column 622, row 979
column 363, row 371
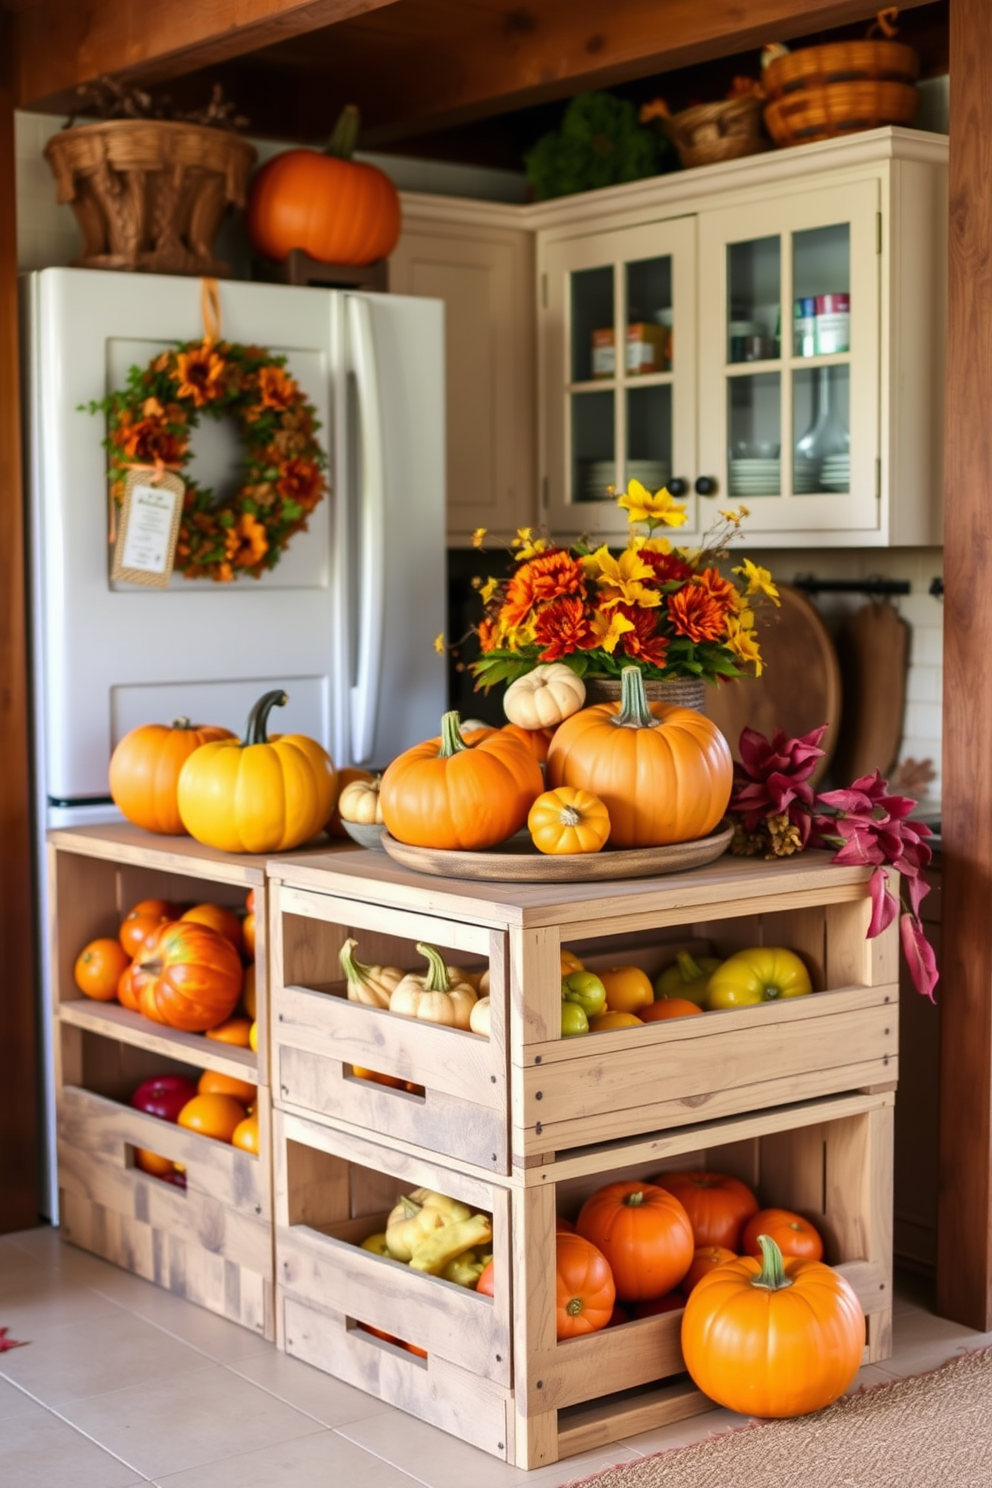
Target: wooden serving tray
column 518, row 860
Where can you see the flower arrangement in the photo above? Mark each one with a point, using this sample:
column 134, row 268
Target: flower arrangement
column 776, row 814
column 149, row 423
column 668, row 611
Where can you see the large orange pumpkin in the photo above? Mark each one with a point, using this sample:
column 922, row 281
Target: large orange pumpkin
column 144, row 771
column 448, row 794
column 717, row 1204
column 644, row 1233
column 188, row 977
column 663, row 773
column 335, row 209
column 773, row 1338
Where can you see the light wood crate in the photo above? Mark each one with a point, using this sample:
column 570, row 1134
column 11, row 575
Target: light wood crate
column 494, row 1373
column 526, row 1094
column 211, row 1244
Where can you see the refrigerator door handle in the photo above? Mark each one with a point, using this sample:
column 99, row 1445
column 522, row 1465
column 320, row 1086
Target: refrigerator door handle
column 372, row 527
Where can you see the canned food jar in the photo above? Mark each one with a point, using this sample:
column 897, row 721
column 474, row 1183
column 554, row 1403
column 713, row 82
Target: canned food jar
column 804, row 328
column 833, row 323
column 604, row 353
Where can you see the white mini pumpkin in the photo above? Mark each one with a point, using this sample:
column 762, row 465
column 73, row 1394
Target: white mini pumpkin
column 545, row 696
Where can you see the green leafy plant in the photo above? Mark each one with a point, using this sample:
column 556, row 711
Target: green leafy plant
column 599, row 143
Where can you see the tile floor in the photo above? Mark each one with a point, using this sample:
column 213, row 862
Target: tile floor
column 123, row 1384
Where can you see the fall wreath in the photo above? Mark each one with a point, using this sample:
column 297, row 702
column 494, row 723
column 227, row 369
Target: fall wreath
column 149, row 424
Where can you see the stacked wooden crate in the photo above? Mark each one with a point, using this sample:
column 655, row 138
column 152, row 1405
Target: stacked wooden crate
column 794, row 1097
column 212, row 1242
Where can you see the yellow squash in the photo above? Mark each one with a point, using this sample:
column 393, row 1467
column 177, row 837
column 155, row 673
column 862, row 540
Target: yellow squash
column 760, row 974
column 257, row 795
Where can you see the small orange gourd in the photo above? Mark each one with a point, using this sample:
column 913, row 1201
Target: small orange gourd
column 567, row 820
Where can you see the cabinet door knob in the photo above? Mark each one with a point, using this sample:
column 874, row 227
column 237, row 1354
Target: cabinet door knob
column 706, row 485
column 677, row 486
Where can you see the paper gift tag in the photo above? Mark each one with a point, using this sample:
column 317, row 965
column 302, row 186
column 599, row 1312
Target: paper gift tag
column 148, row 528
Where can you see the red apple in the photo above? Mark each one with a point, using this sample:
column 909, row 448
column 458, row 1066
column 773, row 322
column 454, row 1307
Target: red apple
column 164, row 1096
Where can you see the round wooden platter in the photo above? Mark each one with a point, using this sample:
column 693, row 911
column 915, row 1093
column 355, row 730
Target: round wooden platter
column 518, row 861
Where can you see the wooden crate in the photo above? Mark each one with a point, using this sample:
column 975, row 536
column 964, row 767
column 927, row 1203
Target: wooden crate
column 494, row 1373
column 212, row 1243
column 517, row 1099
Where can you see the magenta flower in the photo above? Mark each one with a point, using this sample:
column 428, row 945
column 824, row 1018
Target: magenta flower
column 773, row 778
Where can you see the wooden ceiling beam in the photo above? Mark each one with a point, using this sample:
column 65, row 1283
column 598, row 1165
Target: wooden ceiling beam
column 59, row 44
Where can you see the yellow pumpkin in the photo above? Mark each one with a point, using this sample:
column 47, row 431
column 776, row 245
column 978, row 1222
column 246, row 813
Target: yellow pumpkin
column 371, row 985
column 567, row 820
column 257, row 795
column 480, row 1018
column 663, row 773
column 545, row 696
column 359, row 802
column 432, row 995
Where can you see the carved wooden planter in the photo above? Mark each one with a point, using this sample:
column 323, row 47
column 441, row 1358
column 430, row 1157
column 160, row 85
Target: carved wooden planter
column 149, row 195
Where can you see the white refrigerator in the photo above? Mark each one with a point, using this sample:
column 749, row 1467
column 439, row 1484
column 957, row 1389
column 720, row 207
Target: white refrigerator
column 344, row 623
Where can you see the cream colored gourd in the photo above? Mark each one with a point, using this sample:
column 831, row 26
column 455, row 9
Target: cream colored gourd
column 359, row 802
column 544, row 697
column 371, row 985
column 484, row 983
column 479, row 1018
column 432, row 995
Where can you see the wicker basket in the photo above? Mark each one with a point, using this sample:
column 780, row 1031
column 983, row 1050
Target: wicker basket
column 679, row 692
column 840, row 62
column 149, row 194
column 716, row 131
column 839, row 109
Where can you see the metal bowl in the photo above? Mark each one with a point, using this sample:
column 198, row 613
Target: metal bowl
column 366, row 834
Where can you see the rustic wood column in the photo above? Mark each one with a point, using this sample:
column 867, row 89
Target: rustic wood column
column 18, row 1082
column 964, row 1240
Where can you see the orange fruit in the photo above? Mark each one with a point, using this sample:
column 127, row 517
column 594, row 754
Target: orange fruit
column 234, row 1031
column 99, row 968
column 224, row 921
column 150, row 1162
column 245, row 1135
column 138, row 924
column 570, row 962
column 628, row 989
column 248, row 996
column 216, row 1116
column 212, row 1082
column 605, row 1021
column 377, row 1078
column 253, row 1037
column 248, row 935
column 668, row 1007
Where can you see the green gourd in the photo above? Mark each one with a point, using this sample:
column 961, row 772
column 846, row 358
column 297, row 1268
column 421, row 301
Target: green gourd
column 687, row 977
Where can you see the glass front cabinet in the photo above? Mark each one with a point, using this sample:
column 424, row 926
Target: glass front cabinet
column 776, row 345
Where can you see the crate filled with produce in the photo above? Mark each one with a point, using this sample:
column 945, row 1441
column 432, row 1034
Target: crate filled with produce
column 539, row 1316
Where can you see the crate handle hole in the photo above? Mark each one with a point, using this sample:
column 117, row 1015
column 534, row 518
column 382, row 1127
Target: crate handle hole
column 142, row 1160
column 391, row 1084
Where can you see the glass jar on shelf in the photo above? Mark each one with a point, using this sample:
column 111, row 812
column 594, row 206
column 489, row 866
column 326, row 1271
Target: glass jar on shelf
column 822, row 456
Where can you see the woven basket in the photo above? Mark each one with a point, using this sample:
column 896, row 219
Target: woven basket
column 716, row 131
column 838, row 109
column 149, row 194
column 840, row 62
column 679, row 692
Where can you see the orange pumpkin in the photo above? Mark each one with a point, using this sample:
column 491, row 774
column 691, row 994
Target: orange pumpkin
column 538, row 740
column 643, row 1232
column 773, row 1338
column 188, row 977
column 586, row 1291
column 663, row 773
column 793, row 1234
column 224, row 921
column 126, row 994
column 335, row 209
column 99, row 968
column 705, row 1260
column 568, row 821
column 718, row 1205
column 144, row 771
column 446, row 793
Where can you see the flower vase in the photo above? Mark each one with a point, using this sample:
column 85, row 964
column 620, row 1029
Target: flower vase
column 679, row 692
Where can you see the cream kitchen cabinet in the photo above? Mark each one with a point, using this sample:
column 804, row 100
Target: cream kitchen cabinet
column 478, row 258
column 669, row 350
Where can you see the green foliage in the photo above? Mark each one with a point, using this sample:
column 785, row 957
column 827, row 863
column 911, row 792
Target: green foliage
column 599, row 143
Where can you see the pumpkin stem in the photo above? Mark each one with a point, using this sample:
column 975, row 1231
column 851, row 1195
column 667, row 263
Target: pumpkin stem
column 354, row 970
column 181, row 723
column 634, row 1200
column 451, row 736
column 259, row 716
column 689, row 970
column 345, row 137
column 573, row 1306
column 436, row 979
column 772, row 1275
column 634, row 709
column 569, row 817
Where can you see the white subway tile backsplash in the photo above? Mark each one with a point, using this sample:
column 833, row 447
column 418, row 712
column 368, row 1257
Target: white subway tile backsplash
column 924, row 684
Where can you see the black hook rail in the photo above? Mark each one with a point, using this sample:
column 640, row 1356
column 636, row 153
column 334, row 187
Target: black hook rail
column 811, row 585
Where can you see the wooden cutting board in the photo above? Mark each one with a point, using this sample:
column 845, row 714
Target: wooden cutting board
column 873, row 646
column 799, row 688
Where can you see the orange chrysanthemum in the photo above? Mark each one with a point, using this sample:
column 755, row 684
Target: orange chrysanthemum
column 277, row 389
column 718, row 588
column 147, row 440
column 486, row 632
column 643, row 643
column 245, row 543
column 563, row 627
column 551, row 576
column 302, row 482
column 696, row 614
column 200, row 373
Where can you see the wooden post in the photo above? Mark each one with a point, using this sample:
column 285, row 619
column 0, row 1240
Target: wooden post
column 18, row 1080
column 964, row 1223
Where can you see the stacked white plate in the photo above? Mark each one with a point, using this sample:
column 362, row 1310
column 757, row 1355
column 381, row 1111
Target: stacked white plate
column 805, row 476
column 754, row 476
column 596, row 475
column 835, row 474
